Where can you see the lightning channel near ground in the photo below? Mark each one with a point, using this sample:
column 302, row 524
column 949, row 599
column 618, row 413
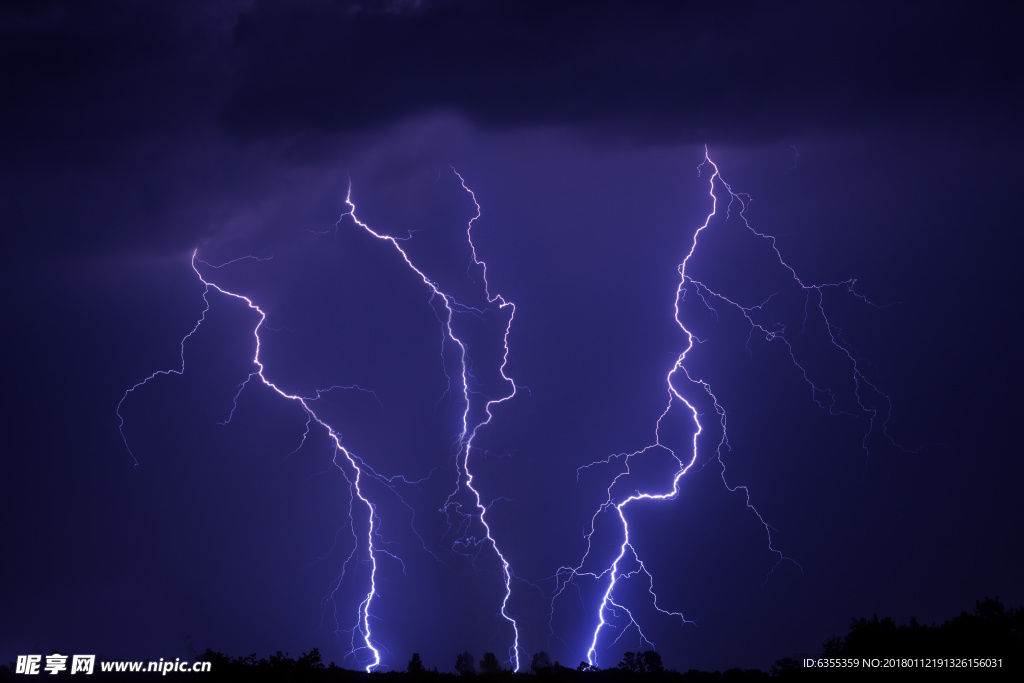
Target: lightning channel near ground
column 476, row 413
column 690, row 431
column 692, row 405
column 348, row 462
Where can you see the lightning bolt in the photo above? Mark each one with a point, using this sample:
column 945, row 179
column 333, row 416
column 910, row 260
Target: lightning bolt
column 468, row 427
column 681, row 383
column 481, row 508
column 685, row 390
column 355, row 481
column 352, row 467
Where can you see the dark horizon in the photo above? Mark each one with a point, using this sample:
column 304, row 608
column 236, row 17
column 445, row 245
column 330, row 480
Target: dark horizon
column 870, row 644
column 877, row 144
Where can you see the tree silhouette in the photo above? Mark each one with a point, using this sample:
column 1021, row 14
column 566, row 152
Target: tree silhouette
column 784, row 667
column 310, row 660
column 991, row 631
column 650, row 661
column 415, row 664
column 541, row 663
column 489, row 664
column 631, row 662
column 464, row 665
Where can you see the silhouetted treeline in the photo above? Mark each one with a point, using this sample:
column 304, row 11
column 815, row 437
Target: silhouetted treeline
column 991, row 633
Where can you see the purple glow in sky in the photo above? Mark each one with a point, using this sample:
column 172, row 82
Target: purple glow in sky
column 424, row 467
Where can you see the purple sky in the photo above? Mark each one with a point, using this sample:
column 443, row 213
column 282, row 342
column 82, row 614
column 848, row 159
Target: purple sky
column 877, row 143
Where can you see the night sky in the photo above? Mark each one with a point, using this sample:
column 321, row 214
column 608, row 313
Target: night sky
column 877, row 141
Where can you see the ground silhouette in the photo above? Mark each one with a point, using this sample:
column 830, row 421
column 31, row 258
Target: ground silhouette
column 991, row 637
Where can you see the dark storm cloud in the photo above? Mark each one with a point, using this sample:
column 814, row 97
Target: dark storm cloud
column 78, row 77
column 103, row 103
column 81, row 78
column 141, row 118
column 685, row 71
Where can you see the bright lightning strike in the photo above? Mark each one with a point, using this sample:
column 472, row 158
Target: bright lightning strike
column 683, row 390
column 686, row 392
column 469, row 428
column 473, row 419
column 363, row 617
